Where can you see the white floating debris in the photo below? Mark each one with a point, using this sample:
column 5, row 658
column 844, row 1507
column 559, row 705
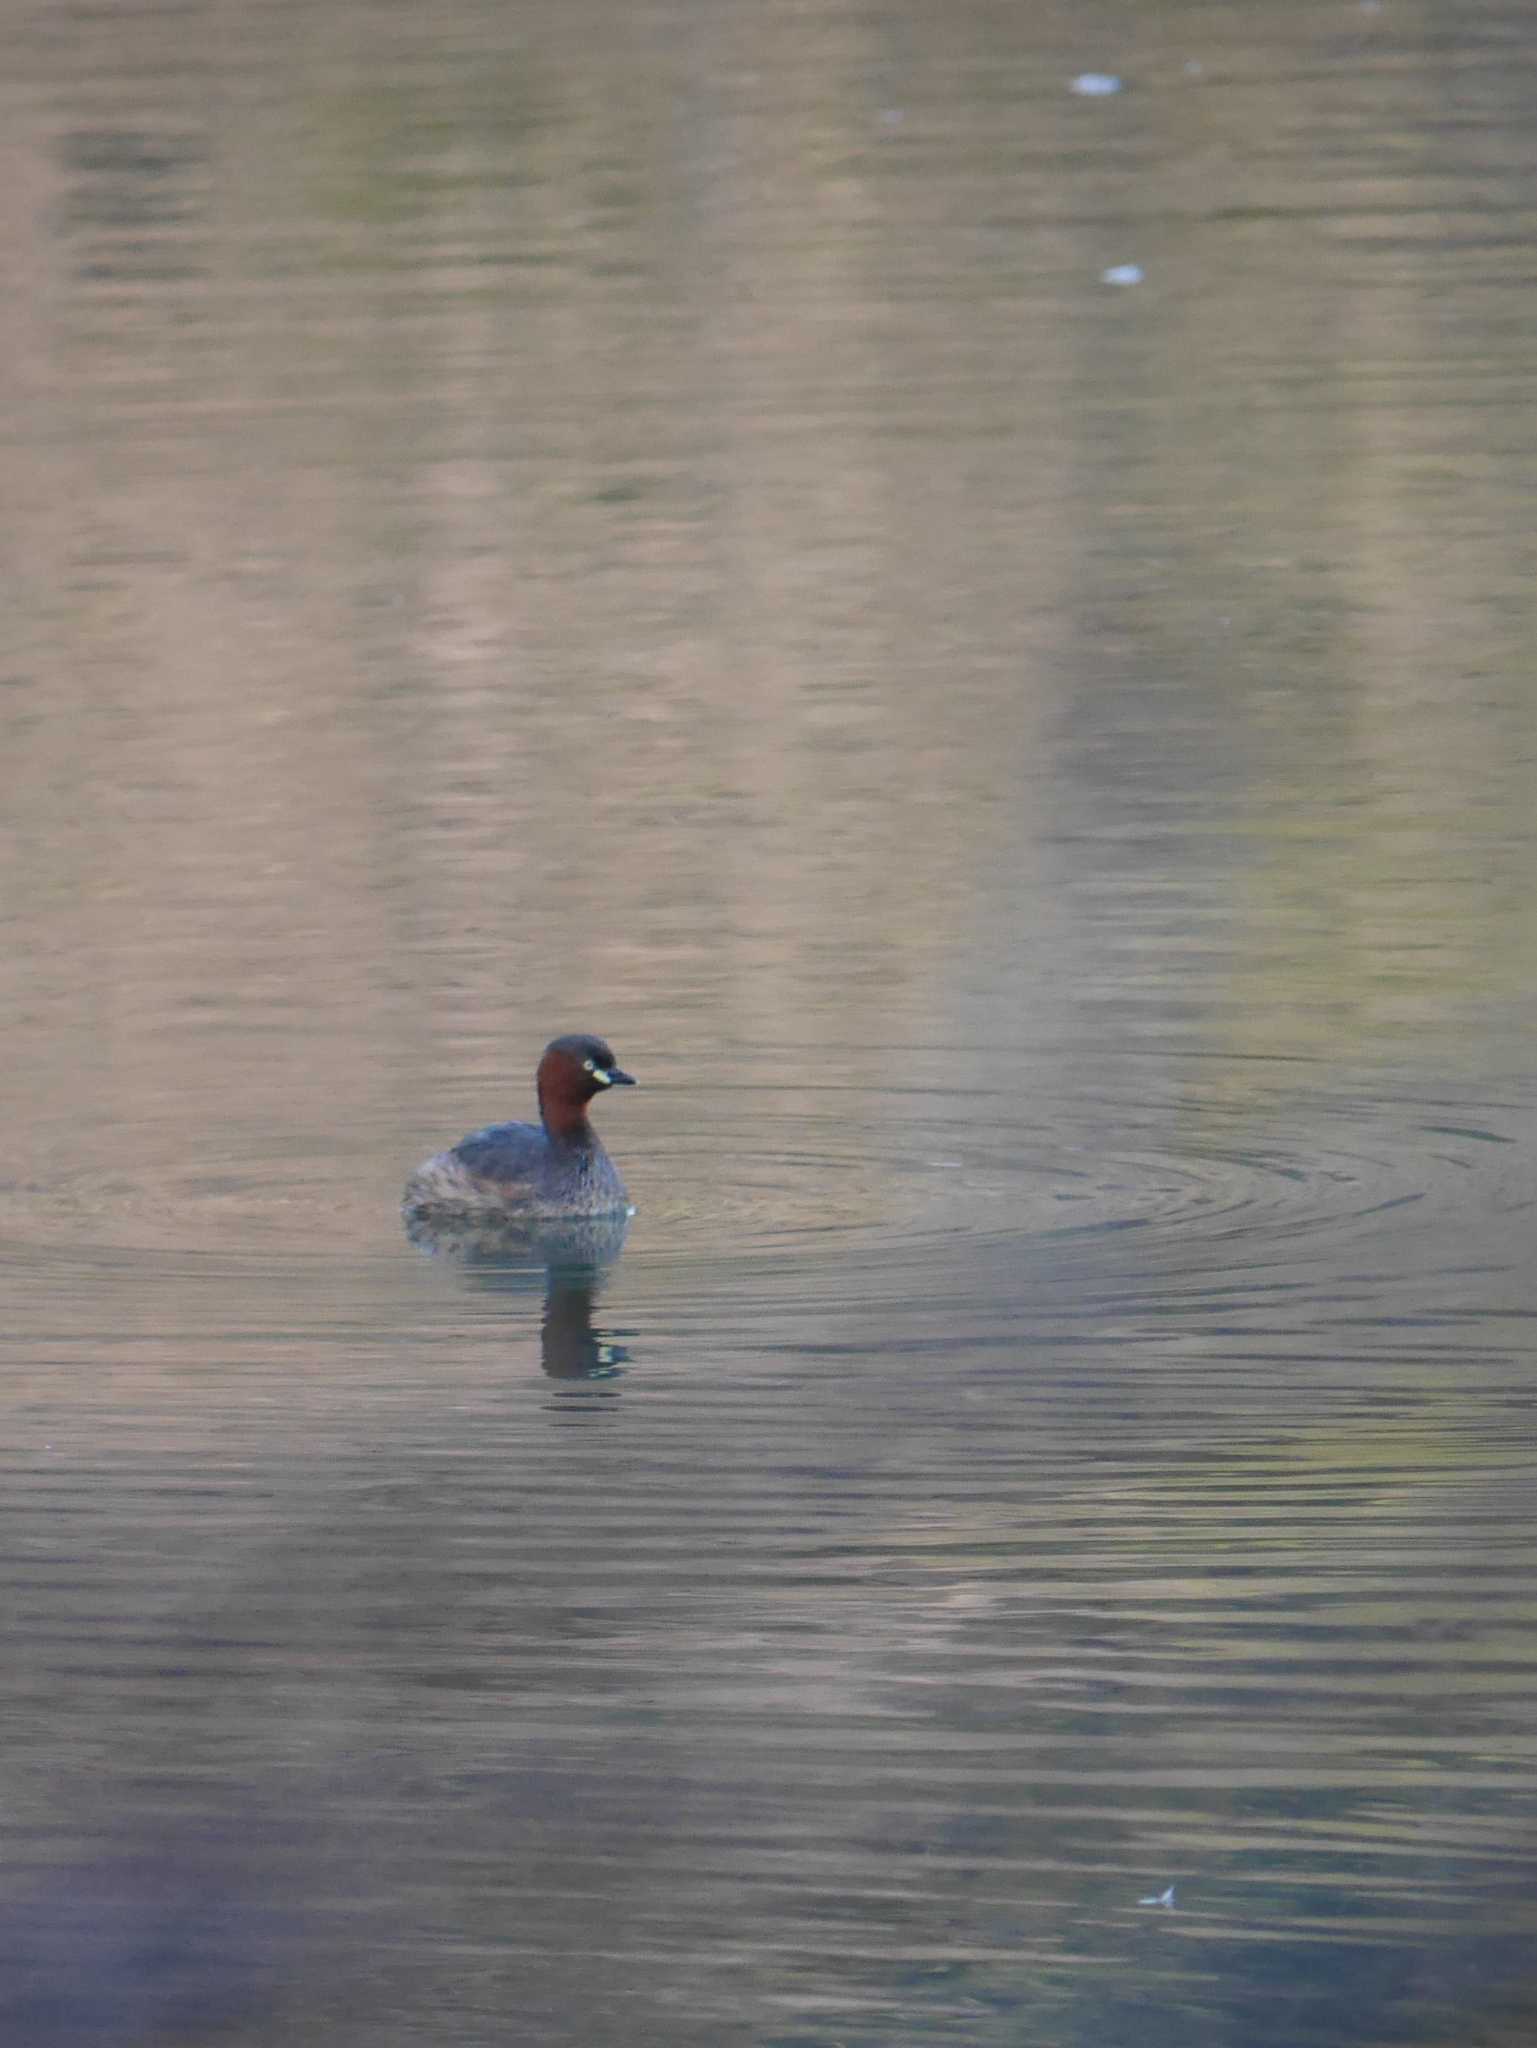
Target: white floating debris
column 1122, row 273
column 1159, row 1898
column 1096, row 85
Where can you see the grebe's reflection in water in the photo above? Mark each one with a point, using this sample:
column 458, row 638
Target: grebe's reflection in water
column 568, row 1257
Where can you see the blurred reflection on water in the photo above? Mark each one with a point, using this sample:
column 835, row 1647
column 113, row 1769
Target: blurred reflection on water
column 648, row 520
column 568, row 1260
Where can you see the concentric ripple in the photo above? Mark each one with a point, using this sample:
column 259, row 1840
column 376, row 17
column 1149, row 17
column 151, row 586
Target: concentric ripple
column 905, row 1178
column 1195, row 1174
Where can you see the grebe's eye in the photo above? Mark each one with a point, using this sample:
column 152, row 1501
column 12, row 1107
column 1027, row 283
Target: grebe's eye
column 587, row 1066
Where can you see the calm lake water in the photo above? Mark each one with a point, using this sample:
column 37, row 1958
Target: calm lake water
column 651, row 519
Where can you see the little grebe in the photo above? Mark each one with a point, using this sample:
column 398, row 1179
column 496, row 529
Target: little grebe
column 557, row 1167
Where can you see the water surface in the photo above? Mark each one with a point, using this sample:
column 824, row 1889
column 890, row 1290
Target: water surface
column 650, row 520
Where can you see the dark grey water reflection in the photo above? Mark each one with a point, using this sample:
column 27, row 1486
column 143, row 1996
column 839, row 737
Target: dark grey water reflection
column 568, row 1261
column 650, row 520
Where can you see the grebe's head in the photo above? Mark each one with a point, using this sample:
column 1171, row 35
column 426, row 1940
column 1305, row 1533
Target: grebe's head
column 573, row 1070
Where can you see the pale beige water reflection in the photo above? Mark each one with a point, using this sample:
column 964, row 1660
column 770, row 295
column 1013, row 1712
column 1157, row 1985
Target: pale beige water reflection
column 648, row 519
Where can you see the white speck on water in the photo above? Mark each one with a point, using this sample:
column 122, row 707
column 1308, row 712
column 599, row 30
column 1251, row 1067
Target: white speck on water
column 1159, row 1898
column 1096, row 85
column 1122, row 273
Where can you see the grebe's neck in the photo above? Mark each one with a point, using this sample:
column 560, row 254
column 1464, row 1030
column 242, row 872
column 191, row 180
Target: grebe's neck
column 566, row 1121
